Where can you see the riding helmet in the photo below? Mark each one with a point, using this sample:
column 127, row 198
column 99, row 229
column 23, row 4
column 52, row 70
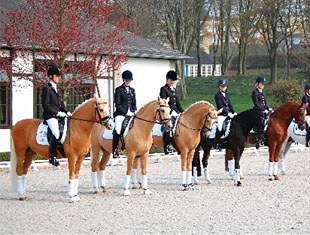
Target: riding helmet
column 127, row 75
column 307, row 86
column 172, row 75
column 223, row 82
column 260, row 79
column 53, row 71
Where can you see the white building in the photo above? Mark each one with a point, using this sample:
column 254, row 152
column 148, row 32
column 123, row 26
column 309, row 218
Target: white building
column 207, row 64
column 148, row 61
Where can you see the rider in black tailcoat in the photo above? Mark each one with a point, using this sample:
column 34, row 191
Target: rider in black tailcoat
column 169, row 90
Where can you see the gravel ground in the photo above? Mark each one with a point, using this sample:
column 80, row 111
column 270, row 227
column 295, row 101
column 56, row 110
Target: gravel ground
column 258, row 207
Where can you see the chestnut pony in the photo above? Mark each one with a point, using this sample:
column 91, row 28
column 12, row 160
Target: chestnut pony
column 199, row 115
column 279, row 122
column 76, row 145
column 138, row 142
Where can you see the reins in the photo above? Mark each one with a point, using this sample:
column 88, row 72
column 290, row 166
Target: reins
column 197, row 129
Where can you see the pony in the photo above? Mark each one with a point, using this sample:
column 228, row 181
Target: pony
column 138, row 142
column 240, row 127
column 77, row 144
column 200, row 115
column 277, row 131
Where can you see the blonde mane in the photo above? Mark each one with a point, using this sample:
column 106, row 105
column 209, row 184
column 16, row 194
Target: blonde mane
column 197, row 103
column 82, row 104
column 144, row 106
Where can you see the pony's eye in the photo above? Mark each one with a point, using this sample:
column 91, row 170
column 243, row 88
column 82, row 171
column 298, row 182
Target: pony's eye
column 101, row 110
column 162, row 110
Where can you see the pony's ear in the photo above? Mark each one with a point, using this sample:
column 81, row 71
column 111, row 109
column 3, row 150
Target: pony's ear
column 158, row 98
column 95, row 95
column 168, row 99
column 219, row 111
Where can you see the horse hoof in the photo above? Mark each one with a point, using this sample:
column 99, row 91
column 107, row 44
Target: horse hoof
column 195, row 182
column 276, row 177
column 270, row 178
column 96, row 190
column 22, row 198
column 184, row 187
column 104, row 190
column 136, row 186
column 75, row 198
column 239, row 184
column 147, row 192
column 242, row 177
column 209, row 181
column 190, row 186
column 126, row 192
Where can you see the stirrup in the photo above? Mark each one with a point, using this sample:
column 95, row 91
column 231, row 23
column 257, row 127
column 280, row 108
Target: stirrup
column 54, row 161
column 115, row 154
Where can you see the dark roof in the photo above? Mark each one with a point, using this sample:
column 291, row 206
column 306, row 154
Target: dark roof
column 136, row 46
column 204, row 57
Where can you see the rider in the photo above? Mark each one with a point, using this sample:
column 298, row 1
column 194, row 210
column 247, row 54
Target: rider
column 222, row 101
column 53, row 108
column 169, row 90
column 306, row 100
column 260, row 103
column 125, row 104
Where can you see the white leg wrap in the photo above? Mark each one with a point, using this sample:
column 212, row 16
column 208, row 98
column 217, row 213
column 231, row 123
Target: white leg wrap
column 144, row 182
column 71, row 189
column 20, row 188
column 270, row 169
column 184, row 177
column 206, row 173
column 134, row 177
column 127, row 182
column 24, row 184
column 237, row 175
column 282, row 165
column 76, row 187
column 275, row 168
column 231, row 167
column 189, row 177
column 101, row 179
column 94, row 179
column 195, row 174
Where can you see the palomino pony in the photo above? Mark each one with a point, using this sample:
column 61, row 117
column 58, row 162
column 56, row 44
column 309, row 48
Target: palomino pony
column 279, row 122
column 138, row 142
column 199, row 115
column 76, row 145
column 240, row 127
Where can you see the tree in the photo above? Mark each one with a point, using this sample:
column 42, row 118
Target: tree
column 178, row 20
column 77, row 36
column 273, row 28
column 244, row 17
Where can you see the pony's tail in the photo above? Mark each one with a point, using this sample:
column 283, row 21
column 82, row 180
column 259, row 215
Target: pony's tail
column 13, row 164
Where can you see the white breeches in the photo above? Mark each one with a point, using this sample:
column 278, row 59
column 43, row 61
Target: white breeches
column 220, row 120
column 118, row 123
column 308, row 120
column 54, row 126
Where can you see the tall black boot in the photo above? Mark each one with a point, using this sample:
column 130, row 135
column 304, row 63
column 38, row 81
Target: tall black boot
column 116, row 138
column 166, row 139
column 308, row 137
column 53, row 152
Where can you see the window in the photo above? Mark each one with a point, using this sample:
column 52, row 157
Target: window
column 209, row 70
column 5, row 93
column 203, row 70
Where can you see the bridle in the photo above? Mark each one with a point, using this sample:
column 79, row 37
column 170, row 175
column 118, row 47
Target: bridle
column 102, row 120
column 207, row 118
column 299, row 122
column 159, row 112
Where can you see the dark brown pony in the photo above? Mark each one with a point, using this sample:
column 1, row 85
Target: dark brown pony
column 277, row 131
column 76, row 146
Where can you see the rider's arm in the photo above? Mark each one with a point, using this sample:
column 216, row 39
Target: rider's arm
column 45, row 97
column 219, row 104
column 118, row 105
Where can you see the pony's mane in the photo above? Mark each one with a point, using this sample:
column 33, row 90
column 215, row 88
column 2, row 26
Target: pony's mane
column 199, row 102
column 82, row 104
column 143, row 107
column 284, row 106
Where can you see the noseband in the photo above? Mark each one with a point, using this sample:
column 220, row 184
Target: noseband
column 102, row 120
column 206, row 118
column 159, row 111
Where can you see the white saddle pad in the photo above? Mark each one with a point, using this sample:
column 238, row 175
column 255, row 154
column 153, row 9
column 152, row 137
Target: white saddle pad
column 298, row 131
column 41, row 136
column 157, row 128
column 108, row 134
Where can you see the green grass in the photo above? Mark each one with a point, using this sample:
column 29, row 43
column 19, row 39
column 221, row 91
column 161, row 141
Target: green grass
column 240, row 89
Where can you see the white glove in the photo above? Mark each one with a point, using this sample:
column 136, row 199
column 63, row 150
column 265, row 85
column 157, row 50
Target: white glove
column 174, row 113
column 231, row 115
column 266, row 111
column 61, row 114
column 129, row 113
column 69, row 114
column 270, row 110
column 235, row 114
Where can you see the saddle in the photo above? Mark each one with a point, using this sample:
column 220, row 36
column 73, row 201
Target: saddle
column 124, row 130
column 44, row 133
